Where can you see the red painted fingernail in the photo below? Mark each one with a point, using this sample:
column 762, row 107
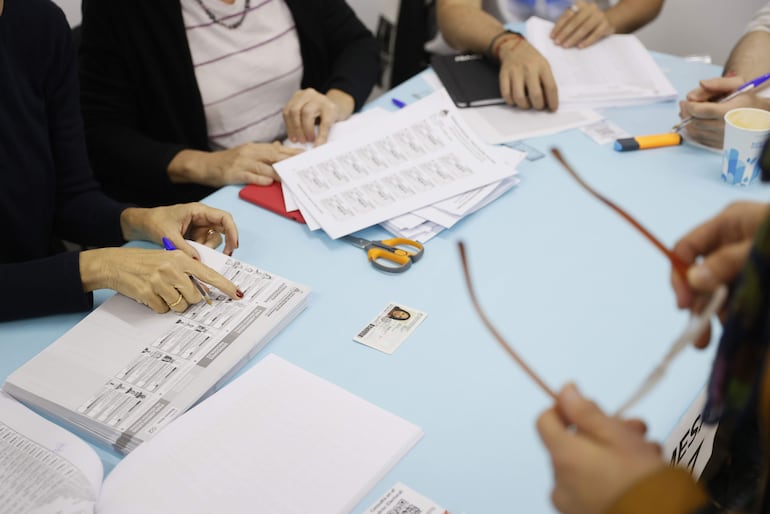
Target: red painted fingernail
column 239, row 293
column 196, row 258
column 230, row 254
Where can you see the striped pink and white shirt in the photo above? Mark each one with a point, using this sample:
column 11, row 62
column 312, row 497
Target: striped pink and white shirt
column 246, row 75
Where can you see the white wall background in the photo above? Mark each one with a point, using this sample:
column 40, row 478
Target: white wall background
column 685, row 27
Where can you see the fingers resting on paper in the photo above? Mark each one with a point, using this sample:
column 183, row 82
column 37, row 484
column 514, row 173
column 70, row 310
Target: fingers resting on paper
column 581, row 26
column 157, row 278
column 526, row 79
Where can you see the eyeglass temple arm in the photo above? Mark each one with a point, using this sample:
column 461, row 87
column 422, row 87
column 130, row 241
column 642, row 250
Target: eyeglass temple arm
column 511, row 352
column 679, row 265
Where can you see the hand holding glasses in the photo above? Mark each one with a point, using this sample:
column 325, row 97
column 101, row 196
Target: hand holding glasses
column 695, row 328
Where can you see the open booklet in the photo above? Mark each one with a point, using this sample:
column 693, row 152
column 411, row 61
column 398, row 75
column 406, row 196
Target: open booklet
column 124, row 372
column 277, row 440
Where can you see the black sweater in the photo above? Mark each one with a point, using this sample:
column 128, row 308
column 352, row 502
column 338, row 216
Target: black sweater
column 141, row 102
column 47, row 190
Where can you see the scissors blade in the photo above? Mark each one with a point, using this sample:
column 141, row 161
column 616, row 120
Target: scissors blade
column 356, row 241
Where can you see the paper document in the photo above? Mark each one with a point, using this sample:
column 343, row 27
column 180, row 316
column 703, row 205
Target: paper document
column 277, row 440
column 616, row 71
column 44, row 468
column 124, row 372
column 416, row 157
column 497, row 124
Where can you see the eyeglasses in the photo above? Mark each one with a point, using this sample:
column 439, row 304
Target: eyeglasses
column 695, row 328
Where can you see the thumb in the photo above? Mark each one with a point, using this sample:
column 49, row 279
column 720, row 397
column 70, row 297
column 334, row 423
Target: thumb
column 721, row 85
column 584, row 414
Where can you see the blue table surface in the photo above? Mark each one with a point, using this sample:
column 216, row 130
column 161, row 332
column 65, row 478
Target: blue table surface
column 578, row 292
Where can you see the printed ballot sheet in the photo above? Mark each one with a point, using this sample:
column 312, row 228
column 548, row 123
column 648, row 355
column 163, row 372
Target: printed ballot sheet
column 417, row 156
column 44, row 468
column 616, row 71
column 125, row 372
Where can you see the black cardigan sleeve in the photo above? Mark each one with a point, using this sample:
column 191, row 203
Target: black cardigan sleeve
column 52, row 148
column 353, row 52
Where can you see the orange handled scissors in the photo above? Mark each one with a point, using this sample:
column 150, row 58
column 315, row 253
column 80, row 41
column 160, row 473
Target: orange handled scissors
column 398, row 251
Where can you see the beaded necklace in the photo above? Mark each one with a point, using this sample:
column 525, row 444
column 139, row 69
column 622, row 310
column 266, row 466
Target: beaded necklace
column 218, row 21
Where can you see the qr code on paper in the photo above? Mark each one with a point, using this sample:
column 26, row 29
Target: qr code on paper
column 404, row 507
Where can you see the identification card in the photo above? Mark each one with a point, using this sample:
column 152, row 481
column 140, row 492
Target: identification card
column 400, row 499
column 605, row 131
column 390, row 328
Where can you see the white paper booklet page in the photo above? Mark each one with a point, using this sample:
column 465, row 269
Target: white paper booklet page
column 616, row 71
column 277, row 440
column 124, row 372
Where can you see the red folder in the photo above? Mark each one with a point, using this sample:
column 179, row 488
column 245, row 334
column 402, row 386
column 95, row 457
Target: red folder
column 271, row 198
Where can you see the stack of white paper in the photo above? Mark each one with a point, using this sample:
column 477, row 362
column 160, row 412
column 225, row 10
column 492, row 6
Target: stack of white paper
column 616, row 71
column 416, row 171
column 124, row 372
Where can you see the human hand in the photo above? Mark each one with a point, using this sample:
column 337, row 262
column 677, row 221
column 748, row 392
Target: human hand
column 595, row 458
column 722, row 243
column 526, row 80
column 708, row 125
column 156, row 278
column 249, row 163
column 581, row 26
column 308, row 107
column 194, row 221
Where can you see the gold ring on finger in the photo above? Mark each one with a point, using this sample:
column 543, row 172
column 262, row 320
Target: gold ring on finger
column 177, row 302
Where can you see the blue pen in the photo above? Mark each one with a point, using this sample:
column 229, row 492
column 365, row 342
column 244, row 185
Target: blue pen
column 398, row 103
column 748, row 86
column 168, row 245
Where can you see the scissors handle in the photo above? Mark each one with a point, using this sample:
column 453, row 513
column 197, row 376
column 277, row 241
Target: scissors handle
column 392, row 250
column 397, row 256
column 414, row 248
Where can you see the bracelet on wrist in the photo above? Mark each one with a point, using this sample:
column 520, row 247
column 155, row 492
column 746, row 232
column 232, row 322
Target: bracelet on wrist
column 495, row 41
column 502, row 41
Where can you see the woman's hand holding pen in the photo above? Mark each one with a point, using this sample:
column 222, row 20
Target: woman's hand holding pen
column 249, row 163
column 156, row 278
column 708, row 125
column 193, row 221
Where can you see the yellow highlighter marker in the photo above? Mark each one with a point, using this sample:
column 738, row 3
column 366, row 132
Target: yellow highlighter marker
column 644, row 142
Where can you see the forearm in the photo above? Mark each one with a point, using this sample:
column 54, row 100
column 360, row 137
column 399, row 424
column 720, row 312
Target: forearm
column 189, row 167
column 749, row 57
column 629, row 15
column 465, row 26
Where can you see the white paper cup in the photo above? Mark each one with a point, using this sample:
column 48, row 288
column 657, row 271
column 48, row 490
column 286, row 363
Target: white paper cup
column 745, row 132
